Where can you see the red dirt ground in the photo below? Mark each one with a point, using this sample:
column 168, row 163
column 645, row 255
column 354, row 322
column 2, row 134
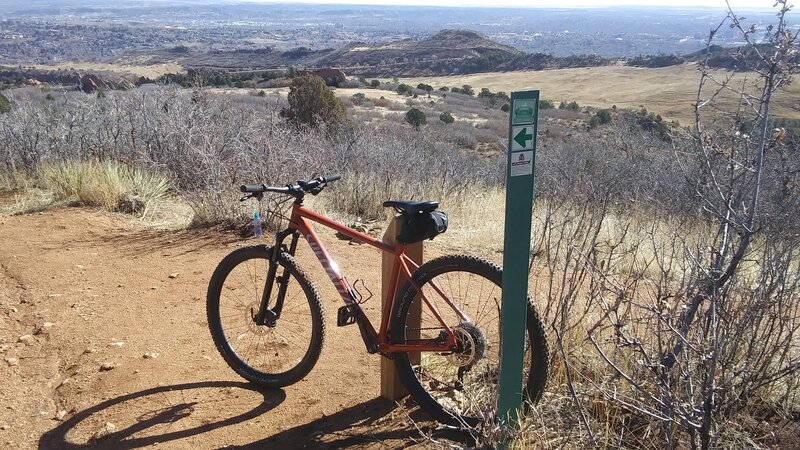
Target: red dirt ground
column 82, row 291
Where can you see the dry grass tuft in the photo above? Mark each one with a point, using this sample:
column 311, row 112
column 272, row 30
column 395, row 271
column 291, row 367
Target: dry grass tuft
column 109, row 185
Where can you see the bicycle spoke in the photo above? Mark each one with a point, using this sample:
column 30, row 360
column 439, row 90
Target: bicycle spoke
column 460, row 385
column 261, row 347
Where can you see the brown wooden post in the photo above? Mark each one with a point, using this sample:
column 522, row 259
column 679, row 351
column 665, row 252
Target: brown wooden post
column 391, row 387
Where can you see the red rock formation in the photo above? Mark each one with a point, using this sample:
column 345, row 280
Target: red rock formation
column 90, row 83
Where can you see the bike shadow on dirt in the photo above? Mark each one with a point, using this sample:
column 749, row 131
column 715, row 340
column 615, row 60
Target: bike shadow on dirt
column 160, row 415
column 372, row 423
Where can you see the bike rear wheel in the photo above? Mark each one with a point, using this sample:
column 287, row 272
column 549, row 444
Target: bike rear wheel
column 460, row 387
column 271, row 356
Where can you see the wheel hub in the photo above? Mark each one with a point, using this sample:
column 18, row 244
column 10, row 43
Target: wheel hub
column 250, row 312
column 470, row 345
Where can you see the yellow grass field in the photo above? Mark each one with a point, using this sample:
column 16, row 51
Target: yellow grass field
column 669, row 91
column 150, row 71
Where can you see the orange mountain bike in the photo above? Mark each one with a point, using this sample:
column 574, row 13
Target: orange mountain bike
column 442, row 328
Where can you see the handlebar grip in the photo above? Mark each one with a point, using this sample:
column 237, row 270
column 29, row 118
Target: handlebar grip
column 330, row 178
column 254, row 188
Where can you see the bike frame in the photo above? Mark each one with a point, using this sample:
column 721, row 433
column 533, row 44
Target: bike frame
column 300, row 222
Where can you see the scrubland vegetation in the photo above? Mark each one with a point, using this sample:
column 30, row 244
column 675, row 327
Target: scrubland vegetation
column 666, row 261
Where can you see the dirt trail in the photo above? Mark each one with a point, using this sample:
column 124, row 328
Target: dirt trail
column 101, row 347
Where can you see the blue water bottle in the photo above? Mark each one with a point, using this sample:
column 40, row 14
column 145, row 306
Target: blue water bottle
column 257, row 232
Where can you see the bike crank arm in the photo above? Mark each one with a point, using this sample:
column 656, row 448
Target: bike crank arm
column 367, row 333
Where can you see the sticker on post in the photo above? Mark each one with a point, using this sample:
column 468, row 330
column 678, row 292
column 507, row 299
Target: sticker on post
column 523, row 112
column 522, row 138
column 521, row 163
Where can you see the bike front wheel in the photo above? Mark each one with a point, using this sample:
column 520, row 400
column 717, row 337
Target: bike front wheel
column 460, row 387
column 274, row 355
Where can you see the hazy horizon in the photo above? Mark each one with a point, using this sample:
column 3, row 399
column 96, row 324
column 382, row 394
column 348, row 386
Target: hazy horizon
column 765, row 4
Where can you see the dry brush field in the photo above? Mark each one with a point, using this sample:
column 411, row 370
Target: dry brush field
column 668, row 91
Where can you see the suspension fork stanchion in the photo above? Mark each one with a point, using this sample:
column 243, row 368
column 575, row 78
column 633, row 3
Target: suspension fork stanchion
column 293, row 245
column 265, row 316
column 283, row 280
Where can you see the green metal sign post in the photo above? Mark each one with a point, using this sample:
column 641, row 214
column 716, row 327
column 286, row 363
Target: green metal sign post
column 519, row 207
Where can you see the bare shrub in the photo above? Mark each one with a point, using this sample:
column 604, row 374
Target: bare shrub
column 497, row 126
column 396, row 106
column 387, row 162
column 209, row 144
column 352, row 83
column 682, row 315
column 347, row 102
column 382, row 102
column 563, row 114
column 463, row 134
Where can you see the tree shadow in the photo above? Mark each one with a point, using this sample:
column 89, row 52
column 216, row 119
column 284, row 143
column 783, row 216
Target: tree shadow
column 150, row 240
column 157, row 241
column 153, row 417
column 369, row 423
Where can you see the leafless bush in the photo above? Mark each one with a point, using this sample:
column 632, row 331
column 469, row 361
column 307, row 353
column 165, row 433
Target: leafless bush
column 347, row 102
column 386, row 161
column 211, row 143
column 499, row 127
column 396, row 106
column 563, row 114
column 681, row 316
column 351, row 84
column 382, row 102
column 463, row 134
column 207, row 144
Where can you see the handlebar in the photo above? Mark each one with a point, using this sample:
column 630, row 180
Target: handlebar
column 253, row 188
column 313, row 186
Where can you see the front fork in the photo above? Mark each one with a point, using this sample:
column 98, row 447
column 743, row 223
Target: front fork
column 265, row 315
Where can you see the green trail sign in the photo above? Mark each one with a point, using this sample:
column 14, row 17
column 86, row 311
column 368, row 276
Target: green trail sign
column 519, row 207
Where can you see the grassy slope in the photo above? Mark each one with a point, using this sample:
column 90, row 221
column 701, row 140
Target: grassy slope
column 669, row 91
column 138, row 68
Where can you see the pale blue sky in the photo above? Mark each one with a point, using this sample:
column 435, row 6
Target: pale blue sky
column 542, row 3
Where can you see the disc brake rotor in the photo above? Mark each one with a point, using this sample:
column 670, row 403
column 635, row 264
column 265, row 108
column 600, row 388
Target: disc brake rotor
column 471, row 345
column 250, row 312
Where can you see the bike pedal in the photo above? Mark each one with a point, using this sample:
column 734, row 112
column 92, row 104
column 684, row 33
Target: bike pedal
column 346, row 316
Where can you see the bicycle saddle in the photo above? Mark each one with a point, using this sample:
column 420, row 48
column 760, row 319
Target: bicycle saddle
column 411, row 207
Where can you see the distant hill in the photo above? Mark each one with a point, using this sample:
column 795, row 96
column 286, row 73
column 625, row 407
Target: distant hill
column 248, row 59
column 444, row 53
column 738, row 59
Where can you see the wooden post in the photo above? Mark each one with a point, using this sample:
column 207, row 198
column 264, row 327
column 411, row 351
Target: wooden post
column 391, row 387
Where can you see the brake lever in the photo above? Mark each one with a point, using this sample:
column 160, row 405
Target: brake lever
column 320, row 186
column 258, row 196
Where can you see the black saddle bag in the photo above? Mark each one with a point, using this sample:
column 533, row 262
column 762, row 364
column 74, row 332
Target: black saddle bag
column 420, row 226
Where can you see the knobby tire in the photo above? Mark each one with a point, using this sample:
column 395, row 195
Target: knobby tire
column 267, row 356
column 459, row 392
